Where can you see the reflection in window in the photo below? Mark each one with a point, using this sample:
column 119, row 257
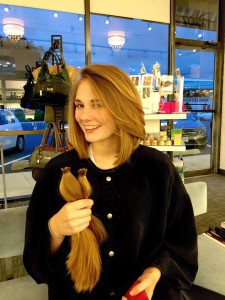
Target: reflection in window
column 198, row 78
column 197, row 20
column 39, row 25
column 141, row 45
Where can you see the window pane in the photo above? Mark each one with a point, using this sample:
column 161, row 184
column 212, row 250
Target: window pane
column 198, row 78
column 197, row 20
column 39, row 25
column 145, row 42
column 198, row 101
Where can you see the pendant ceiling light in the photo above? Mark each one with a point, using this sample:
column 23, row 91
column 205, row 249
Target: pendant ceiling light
column 116, row 40
column 13, row 28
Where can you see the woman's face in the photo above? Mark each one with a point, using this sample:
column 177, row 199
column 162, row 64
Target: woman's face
column 93, row 118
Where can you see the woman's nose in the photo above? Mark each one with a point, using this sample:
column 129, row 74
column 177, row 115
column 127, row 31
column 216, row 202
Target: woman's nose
column 86, row 114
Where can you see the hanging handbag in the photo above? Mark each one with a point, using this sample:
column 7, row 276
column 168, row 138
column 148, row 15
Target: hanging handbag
column 44, row 153
column 26, row 100
column 53, row 83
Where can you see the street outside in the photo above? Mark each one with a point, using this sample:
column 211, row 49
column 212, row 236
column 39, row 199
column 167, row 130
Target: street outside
column 194, row 159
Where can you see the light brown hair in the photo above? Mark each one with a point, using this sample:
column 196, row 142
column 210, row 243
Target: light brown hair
column 84, row 260
column 114, row 88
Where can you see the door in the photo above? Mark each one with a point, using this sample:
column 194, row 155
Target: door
column 197, row 67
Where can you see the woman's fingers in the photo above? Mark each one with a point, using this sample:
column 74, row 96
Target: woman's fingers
column 140, row 287
column 148, row 281
column 74, row 216
column 80, row 204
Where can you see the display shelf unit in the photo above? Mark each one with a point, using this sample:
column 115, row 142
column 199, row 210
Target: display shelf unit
column 172, row 116
column 11, row 92
column 152, row 125
column 179, row 148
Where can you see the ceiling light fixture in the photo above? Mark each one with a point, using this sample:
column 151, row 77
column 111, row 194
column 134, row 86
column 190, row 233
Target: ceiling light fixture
column 149, row 26
column 116, row 40
column 200, row 34
column 56, row 14
column 80, row 18
column 13, row 28
column 6, row 9
column 107, row 21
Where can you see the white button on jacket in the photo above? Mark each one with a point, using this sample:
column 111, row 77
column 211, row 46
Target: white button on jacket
column 111, row 253
column 109, row 216
column 108, row 178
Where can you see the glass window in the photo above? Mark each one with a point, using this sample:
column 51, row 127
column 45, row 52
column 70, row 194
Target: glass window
column 3, row 118
column 142, row 42
column 198, row 97
column 16, row 51
column 197, row 20
column 38, row 26
column 198, row 77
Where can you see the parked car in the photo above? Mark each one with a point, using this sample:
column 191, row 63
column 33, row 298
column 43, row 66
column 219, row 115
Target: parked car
column 9, row 122
column 194, row 133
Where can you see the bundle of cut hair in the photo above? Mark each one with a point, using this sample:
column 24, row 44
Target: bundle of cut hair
column 84, row 261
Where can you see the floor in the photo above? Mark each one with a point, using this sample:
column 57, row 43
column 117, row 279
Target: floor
column 19, row 185
column 216, row 201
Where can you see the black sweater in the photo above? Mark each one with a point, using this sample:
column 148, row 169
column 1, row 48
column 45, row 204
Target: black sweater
column 151, row 224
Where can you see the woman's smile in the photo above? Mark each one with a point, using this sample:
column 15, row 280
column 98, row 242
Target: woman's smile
column 91, row 128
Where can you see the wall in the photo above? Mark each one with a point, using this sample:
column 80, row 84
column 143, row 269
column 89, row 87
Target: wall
column 66, row 6
column 142, row 9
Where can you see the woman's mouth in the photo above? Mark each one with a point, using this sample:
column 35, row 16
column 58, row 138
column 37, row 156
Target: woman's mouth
column 91, row 128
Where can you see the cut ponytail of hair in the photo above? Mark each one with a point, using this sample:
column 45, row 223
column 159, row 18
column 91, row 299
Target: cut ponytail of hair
column 84, row 260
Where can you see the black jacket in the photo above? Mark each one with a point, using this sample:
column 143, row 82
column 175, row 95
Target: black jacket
column 152, row 224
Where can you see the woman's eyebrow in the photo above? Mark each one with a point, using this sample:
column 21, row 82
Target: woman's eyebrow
column 95, row 100
column 92, row 100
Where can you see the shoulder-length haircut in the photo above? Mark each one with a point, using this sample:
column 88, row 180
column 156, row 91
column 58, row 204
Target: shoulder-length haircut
column 115, row 90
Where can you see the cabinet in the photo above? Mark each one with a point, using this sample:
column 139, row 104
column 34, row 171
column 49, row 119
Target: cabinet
column 152, row 124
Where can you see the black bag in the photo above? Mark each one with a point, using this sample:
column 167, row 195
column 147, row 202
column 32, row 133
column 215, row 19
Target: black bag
column 26, row 100
column 53, row 82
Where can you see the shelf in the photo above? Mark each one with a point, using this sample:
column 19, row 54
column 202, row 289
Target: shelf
column 173, row 116
column 14, row 90
column 10, row 101
column 169, row 148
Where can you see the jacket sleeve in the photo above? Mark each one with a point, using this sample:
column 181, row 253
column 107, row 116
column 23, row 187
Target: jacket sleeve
column 45, row 202
column 177, row 255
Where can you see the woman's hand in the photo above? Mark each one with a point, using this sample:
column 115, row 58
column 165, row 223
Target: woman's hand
column 71, row 219
column 148, row 281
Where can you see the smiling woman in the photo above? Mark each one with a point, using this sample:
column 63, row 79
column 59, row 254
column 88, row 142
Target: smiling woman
column 134, row 189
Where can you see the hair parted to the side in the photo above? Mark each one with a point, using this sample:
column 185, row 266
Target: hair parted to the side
column 84, row 260
column 114, row 88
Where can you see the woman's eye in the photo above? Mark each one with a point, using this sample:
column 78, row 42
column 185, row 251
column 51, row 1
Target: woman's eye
column 97, row 105
column 78, row 105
